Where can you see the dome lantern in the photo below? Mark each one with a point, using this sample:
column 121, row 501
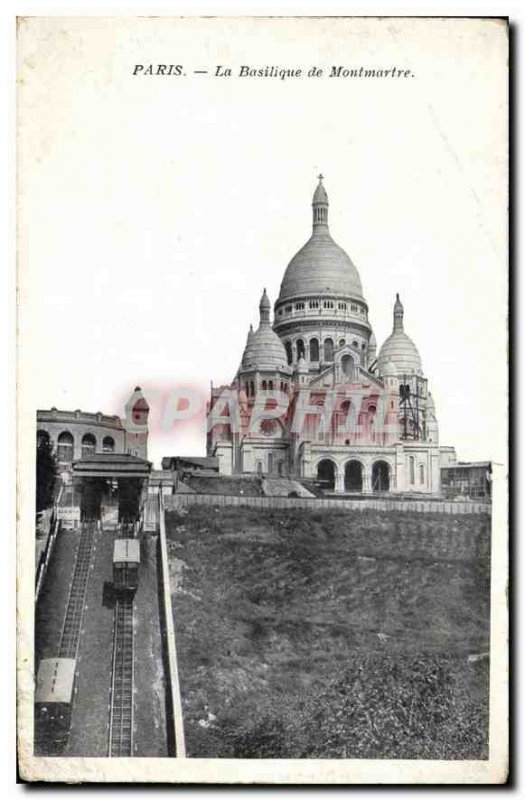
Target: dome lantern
column 320, row 268
column 320, row 206
column 264, row 309
column 398, row 314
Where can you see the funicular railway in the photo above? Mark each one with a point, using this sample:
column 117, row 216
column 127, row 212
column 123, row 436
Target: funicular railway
column 55, row 694
column 126, row 560
column 70, row 636
column 121, row 704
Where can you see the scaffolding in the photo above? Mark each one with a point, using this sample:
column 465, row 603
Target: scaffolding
column 412, row 407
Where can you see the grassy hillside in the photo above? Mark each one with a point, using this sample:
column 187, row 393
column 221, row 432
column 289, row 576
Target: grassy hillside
column 331, row 634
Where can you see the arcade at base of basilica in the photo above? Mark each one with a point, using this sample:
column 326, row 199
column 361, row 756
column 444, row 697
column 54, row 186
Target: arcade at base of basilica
column 403, row 467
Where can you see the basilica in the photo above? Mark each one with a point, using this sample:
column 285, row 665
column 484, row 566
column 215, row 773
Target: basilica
column 314, row 399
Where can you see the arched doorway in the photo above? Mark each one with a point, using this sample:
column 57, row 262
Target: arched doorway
column 326, row 474
column 354, row 476
column 380, row 477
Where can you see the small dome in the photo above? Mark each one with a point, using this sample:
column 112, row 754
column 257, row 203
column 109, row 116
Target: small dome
column 264, row 350
column 389, row 370
column 400, row 350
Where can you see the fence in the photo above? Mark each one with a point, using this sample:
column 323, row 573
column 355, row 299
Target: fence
column 437, row 506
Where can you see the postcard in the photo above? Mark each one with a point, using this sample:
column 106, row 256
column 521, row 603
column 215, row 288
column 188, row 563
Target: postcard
column 262, row 400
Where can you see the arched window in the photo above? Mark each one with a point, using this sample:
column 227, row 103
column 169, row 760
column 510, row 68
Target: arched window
column 411, row 462
column 270, row 463
column 108, row 444
column 422, row 473
column 314, row 350
column 288, row 348
column 380, row 477
column 89, row 444
column 42, row 437
column 279, row 467
column 259, row 468
column 347, row 365
column 328, row 349
column 65, row 447
column 263, row 386
column 300, row 349
column 252, row 388
column 270, row 385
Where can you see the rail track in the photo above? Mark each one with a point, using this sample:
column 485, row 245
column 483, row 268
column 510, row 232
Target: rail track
column 121, row 701
column 70, row 635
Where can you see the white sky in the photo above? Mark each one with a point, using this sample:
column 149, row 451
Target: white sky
column 153, row 210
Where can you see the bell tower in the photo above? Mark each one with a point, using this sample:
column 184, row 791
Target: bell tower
column 136, row 424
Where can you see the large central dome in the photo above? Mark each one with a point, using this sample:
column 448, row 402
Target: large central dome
column 321, row 267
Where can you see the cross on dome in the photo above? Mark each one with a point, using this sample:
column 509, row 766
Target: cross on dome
column 320, row 205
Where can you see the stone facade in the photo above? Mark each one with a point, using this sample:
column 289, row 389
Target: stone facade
column 312, row 399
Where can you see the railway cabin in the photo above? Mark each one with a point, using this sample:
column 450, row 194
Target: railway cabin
column 53, row 701
column 126, row 560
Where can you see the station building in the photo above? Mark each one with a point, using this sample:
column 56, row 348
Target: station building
column 382, row 433
column 77, row 434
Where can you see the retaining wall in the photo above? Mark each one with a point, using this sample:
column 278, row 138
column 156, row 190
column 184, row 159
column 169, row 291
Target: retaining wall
column 175, row 501
column 173, row 672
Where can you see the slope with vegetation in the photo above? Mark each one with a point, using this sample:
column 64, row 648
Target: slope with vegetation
column 334, row 634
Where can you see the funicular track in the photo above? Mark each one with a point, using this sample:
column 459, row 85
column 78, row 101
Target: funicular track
column 70, row 636
column 121, row 702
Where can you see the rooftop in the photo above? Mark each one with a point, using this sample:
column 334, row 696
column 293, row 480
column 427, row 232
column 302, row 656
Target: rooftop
column 126, row 551
column 54, row 683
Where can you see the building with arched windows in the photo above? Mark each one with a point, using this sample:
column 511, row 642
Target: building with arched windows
column 312, row 398
column 77, row 434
